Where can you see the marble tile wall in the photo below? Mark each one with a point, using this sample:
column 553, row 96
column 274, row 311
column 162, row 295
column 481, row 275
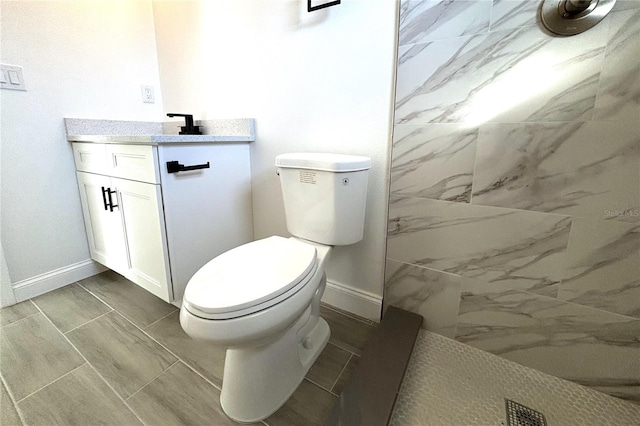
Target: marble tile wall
column 514, row 214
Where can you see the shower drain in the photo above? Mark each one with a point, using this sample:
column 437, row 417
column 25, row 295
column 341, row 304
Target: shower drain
column 519, row 415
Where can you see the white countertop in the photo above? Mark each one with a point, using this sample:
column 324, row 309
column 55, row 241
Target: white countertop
column 156, row 133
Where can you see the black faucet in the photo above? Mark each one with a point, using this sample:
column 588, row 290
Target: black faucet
column 188, row 128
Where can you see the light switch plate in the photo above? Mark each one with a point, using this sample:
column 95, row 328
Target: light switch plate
column 12, row 78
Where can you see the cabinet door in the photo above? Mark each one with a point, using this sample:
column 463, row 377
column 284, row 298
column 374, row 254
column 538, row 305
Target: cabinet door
column 144, row 231
column 104, row 227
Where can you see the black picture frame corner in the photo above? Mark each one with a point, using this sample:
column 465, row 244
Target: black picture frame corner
column 321, row 5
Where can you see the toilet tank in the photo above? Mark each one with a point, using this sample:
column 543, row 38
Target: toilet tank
column 324, row 195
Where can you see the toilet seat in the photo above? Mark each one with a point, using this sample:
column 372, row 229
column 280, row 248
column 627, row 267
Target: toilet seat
column 250, row 278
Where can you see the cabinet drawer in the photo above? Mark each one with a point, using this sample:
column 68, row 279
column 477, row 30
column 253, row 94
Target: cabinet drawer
column 135, row 162
column 90, row 157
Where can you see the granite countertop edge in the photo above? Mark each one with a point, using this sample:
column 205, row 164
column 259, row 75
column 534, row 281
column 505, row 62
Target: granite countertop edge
column 239, row 130
column 158, row 139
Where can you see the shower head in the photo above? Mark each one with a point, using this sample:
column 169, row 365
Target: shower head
column 570, row 17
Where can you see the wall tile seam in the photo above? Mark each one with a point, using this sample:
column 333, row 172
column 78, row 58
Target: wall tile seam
column 571, row 216
column 505, row 290
column 536, row 295
column 424, row 267
column 559, row 283
column 427, row 42
column 508, row 209
column 510, row 290
column 390, row 146
column 488, row 32
column 480, row 126
column 489, row 29
column 535, row 122
column 475, row 169
column 511, row 209
column 603, row 61
column 605, row 50
column 564, row 264
column 536, row 24
column 397, row 194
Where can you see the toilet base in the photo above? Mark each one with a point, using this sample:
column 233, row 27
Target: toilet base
column 260, row 379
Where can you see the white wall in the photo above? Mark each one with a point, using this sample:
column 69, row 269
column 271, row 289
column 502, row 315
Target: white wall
column 6, row 292
column 315, row 82
column 318, row 81
column 82, row 59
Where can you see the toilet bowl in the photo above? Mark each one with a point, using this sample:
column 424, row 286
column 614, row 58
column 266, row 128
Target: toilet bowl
column 262, row 300
column 266, row 312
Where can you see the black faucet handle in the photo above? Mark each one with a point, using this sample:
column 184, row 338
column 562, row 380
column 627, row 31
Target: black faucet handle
column 188, row 128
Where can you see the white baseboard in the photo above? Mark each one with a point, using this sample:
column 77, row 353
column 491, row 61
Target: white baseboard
column 44, row 283
column 358, row 302
column 341, row 296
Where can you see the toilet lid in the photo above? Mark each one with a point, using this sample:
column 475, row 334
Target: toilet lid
column 250, row 274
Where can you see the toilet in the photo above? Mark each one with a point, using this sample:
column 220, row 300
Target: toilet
column 262, row 300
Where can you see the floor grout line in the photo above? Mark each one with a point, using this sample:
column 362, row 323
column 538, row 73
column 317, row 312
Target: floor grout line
column 143, row 330
column 341, row 371
column 319, row 385
column 91, row 365
column 117, row 394
column 154, row 379
column 350, row 315
column 13, row 400
column 160, row 319
column 24, row 318
column 53, row 381
column 338, row 345
column 88, row 322
column 171, row 352
column 97, row 297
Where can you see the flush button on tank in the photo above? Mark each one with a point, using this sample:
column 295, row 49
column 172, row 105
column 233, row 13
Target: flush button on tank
column 345, row 181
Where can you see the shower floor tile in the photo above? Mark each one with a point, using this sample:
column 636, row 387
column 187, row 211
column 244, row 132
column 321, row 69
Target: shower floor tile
column 450, row 383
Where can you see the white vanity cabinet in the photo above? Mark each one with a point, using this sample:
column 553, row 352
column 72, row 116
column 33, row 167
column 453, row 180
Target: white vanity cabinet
column 155, row 226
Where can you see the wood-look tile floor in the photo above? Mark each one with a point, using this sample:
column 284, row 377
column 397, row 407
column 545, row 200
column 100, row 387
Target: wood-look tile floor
column 104, row 351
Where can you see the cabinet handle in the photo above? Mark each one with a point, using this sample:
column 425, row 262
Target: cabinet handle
column 104, row 197
column 111, row 205
column 106, row 192
column 174, row 167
